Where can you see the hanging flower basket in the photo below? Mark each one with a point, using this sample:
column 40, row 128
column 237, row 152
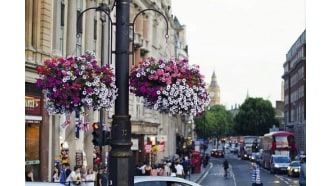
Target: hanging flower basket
column 171, row 86
column 72, row 82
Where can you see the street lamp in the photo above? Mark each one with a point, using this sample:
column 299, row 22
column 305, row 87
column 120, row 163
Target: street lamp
column 204, row 135
column 121, row 165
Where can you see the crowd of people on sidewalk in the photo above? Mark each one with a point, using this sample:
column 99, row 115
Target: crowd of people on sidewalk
column 178, row 167
column 80, row 175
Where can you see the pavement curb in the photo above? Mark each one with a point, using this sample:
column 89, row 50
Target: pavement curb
column 197, row 180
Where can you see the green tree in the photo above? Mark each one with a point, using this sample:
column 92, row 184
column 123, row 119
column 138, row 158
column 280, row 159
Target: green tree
column 255, row 117
column 215, row 122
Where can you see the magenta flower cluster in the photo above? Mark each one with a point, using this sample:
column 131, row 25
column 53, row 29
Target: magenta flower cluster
column 72, row 82
column 169, row 85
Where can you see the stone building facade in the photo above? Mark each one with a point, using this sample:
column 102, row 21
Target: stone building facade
column 295, row 91
column 51, row 31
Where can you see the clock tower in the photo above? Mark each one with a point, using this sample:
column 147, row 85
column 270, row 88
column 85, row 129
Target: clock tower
column 214, row 91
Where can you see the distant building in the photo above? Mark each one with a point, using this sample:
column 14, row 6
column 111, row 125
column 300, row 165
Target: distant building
column 295, row 91
column 234, row 109
column 279, row 114
column 214, row 90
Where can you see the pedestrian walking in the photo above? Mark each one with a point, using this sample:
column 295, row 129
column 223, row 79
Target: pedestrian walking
column 56, row 174
column 167, row 169
column 75, row 177
column 179, row 169
column 67, row 170
column 103, row 178
column 302, row 175
column 142, row 168
column 148, row 169
column 29, row 174
column 256, row 179
column 186, row 166
column 225, row 167
column 153, row 171
column 90, row 177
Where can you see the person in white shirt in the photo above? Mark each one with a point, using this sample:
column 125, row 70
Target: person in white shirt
column 74, row 178
column 142, row 168
column 56, row 174
column 90, row 177
column 167, row 169
column 179, row 170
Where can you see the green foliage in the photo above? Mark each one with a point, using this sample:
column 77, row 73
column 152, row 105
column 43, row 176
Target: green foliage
column 215, row 122
column 255, row 117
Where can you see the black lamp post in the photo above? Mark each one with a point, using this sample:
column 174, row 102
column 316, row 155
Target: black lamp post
column 120, row 164
column 204, row 132
column 121, row 156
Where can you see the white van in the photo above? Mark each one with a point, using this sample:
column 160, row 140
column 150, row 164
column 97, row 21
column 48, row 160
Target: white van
column 279, row 163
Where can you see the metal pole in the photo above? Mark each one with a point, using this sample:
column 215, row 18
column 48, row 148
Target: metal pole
column 204, row 132
column 120, row 157
column 102, row 64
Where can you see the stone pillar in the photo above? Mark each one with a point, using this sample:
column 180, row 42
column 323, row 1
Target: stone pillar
column 70, row 50
column 56, row 44
column 89, row 114
column 71, row 38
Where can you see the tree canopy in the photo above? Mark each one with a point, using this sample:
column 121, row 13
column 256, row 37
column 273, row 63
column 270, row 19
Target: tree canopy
column 215, row 122
column 255, row 117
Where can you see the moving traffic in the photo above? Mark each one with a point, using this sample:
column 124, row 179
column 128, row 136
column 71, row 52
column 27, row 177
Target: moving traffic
column 240, row 170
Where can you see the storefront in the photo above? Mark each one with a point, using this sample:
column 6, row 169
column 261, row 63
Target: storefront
column 33, row 129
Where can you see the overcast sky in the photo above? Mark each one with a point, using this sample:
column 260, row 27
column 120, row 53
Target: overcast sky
column 244, row 41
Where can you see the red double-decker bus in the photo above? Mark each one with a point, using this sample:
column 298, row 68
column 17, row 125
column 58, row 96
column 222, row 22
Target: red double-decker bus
column 279, row 142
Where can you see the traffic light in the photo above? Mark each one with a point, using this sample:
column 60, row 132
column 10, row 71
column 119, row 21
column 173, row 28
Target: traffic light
column 97, row 134
column 107, row 138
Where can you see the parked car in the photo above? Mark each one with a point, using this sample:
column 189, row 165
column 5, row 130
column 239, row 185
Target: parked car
column 279, row 163
column 217, row 153
column 162, row 180
column 294, row 169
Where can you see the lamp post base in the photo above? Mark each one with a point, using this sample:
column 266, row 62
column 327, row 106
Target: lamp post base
column 121, row 164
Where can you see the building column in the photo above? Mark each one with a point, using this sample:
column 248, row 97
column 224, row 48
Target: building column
column 56, row 44
column 71, row 38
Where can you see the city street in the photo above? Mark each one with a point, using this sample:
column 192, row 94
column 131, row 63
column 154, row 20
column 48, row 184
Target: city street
column 240, row 174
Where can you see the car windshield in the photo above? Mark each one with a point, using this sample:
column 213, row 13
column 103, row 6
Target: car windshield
column 282, row 159
column 249, row 140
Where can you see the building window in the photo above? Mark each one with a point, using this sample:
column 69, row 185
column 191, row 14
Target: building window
column 155, row 34
column 95, row 29
column 62, row 13
column 138, row 114
column 79, row 27
column 146, row 28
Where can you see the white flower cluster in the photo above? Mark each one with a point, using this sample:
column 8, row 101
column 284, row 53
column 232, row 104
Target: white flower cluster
column 179, row 98
column 101, row 97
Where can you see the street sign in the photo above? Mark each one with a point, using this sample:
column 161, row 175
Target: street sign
column 147, row 148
